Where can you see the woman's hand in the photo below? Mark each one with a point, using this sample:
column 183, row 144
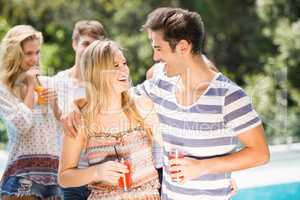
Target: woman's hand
column 110, row 172
column 50, row 96
column 31, row 74
column 27, row 83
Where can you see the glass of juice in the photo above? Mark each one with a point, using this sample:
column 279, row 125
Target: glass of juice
column 175, row 154
column 125, row 181
column 39, row 90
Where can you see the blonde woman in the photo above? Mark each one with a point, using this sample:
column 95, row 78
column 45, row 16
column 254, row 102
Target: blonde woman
column 31, row 171
column 116, row 126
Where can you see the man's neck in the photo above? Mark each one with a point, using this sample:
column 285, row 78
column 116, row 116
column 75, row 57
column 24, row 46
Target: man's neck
column 75, row 73
column 197, row 73
column 194, row 81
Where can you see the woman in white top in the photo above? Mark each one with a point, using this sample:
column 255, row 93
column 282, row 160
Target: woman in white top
column 31, row 171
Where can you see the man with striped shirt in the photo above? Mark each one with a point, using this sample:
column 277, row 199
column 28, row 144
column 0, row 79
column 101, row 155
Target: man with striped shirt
column 202, row 113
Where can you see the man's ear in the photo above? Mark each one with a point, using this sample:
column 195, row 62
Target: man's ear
column 74, row 44
column 184, row 47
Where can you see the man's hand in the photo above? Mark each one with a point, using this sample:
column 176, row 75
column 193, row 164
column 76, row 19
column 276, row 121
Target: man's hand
column 185, row 169
column 71, row 122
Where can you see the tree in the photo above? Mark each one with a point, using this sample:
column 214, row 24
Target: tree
column 253, row 42
column 281, row 24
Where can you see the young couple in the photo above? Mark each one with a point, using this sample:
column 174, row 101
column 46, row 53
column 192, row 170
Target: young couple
column 199, row 112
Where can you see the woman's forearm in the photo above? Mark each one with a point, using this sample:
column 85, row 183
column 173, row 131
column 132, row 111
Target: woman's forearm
column 29, row 96
column 57, row 111
column 77, row 177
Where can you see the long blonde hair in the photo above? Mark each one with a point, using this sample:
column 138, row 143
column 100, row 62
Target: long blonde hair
column 11, row 55
column 97, row 59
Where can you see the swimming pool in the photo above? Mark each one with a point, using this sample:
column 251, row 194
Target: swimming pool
column 287, row 191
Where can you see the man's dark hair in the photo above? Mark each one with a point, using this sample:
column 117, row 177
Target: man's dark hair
column 177, row 24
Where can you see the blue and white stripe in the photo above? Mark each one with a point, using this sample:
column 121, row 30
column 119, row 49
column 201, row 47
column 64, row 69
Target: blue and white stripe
column 208, row 128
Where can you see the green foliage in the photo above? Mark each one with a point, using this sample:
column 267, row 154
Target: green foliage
column 281, row 24
column 4, row 26
column 254, row 42
column 269, row 97
column 3, row 135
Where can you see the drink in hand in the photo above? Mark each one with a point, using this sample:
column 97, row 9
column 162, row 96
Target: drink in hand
column 39, row 90
column 125, row 181
column 175, row 154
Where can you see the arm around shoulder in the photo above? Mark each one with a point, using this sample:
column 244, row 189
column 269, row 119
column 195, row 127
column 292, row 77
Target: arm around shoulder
column 147, row 110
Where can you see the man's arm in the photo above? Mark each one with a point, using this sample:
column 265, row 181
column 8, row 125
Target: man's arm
column 240, row 117
column 254, row 153
column 73, row 119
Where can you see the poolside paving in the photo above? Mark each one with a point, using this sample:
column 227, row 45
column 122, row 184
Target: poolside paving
column 284, row 167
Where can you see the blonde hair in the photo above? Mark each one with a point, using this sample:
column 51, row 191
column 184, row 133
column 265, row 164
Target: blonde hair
column 97, row 59
column 12, row 55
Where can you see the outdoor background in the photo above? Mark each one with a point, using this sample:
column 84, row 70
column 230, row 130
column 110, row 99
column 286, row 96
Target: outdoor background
column 254, row 42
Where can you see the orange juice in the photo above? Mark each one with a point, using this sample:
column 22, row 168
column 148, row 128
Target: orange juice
column 41, row 100
column 125, row 181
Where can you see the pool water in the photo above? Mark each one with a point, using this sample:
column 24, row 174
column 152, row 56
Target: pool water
column 288, row 191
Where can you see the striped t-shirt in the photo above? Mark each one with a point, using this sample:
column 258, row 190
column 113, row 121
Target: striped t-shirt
column 207, row 128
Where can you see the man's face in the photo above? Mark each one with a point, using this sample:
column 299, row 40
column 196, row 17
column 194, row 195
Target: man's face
column 79, row 46
column 162, row 52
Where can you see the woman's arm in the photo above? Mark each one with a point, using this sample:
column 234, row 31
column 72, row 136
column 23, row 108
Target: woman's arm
column 68, row 173
column 14, row 112
column 70, row 176
column 28, row 92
